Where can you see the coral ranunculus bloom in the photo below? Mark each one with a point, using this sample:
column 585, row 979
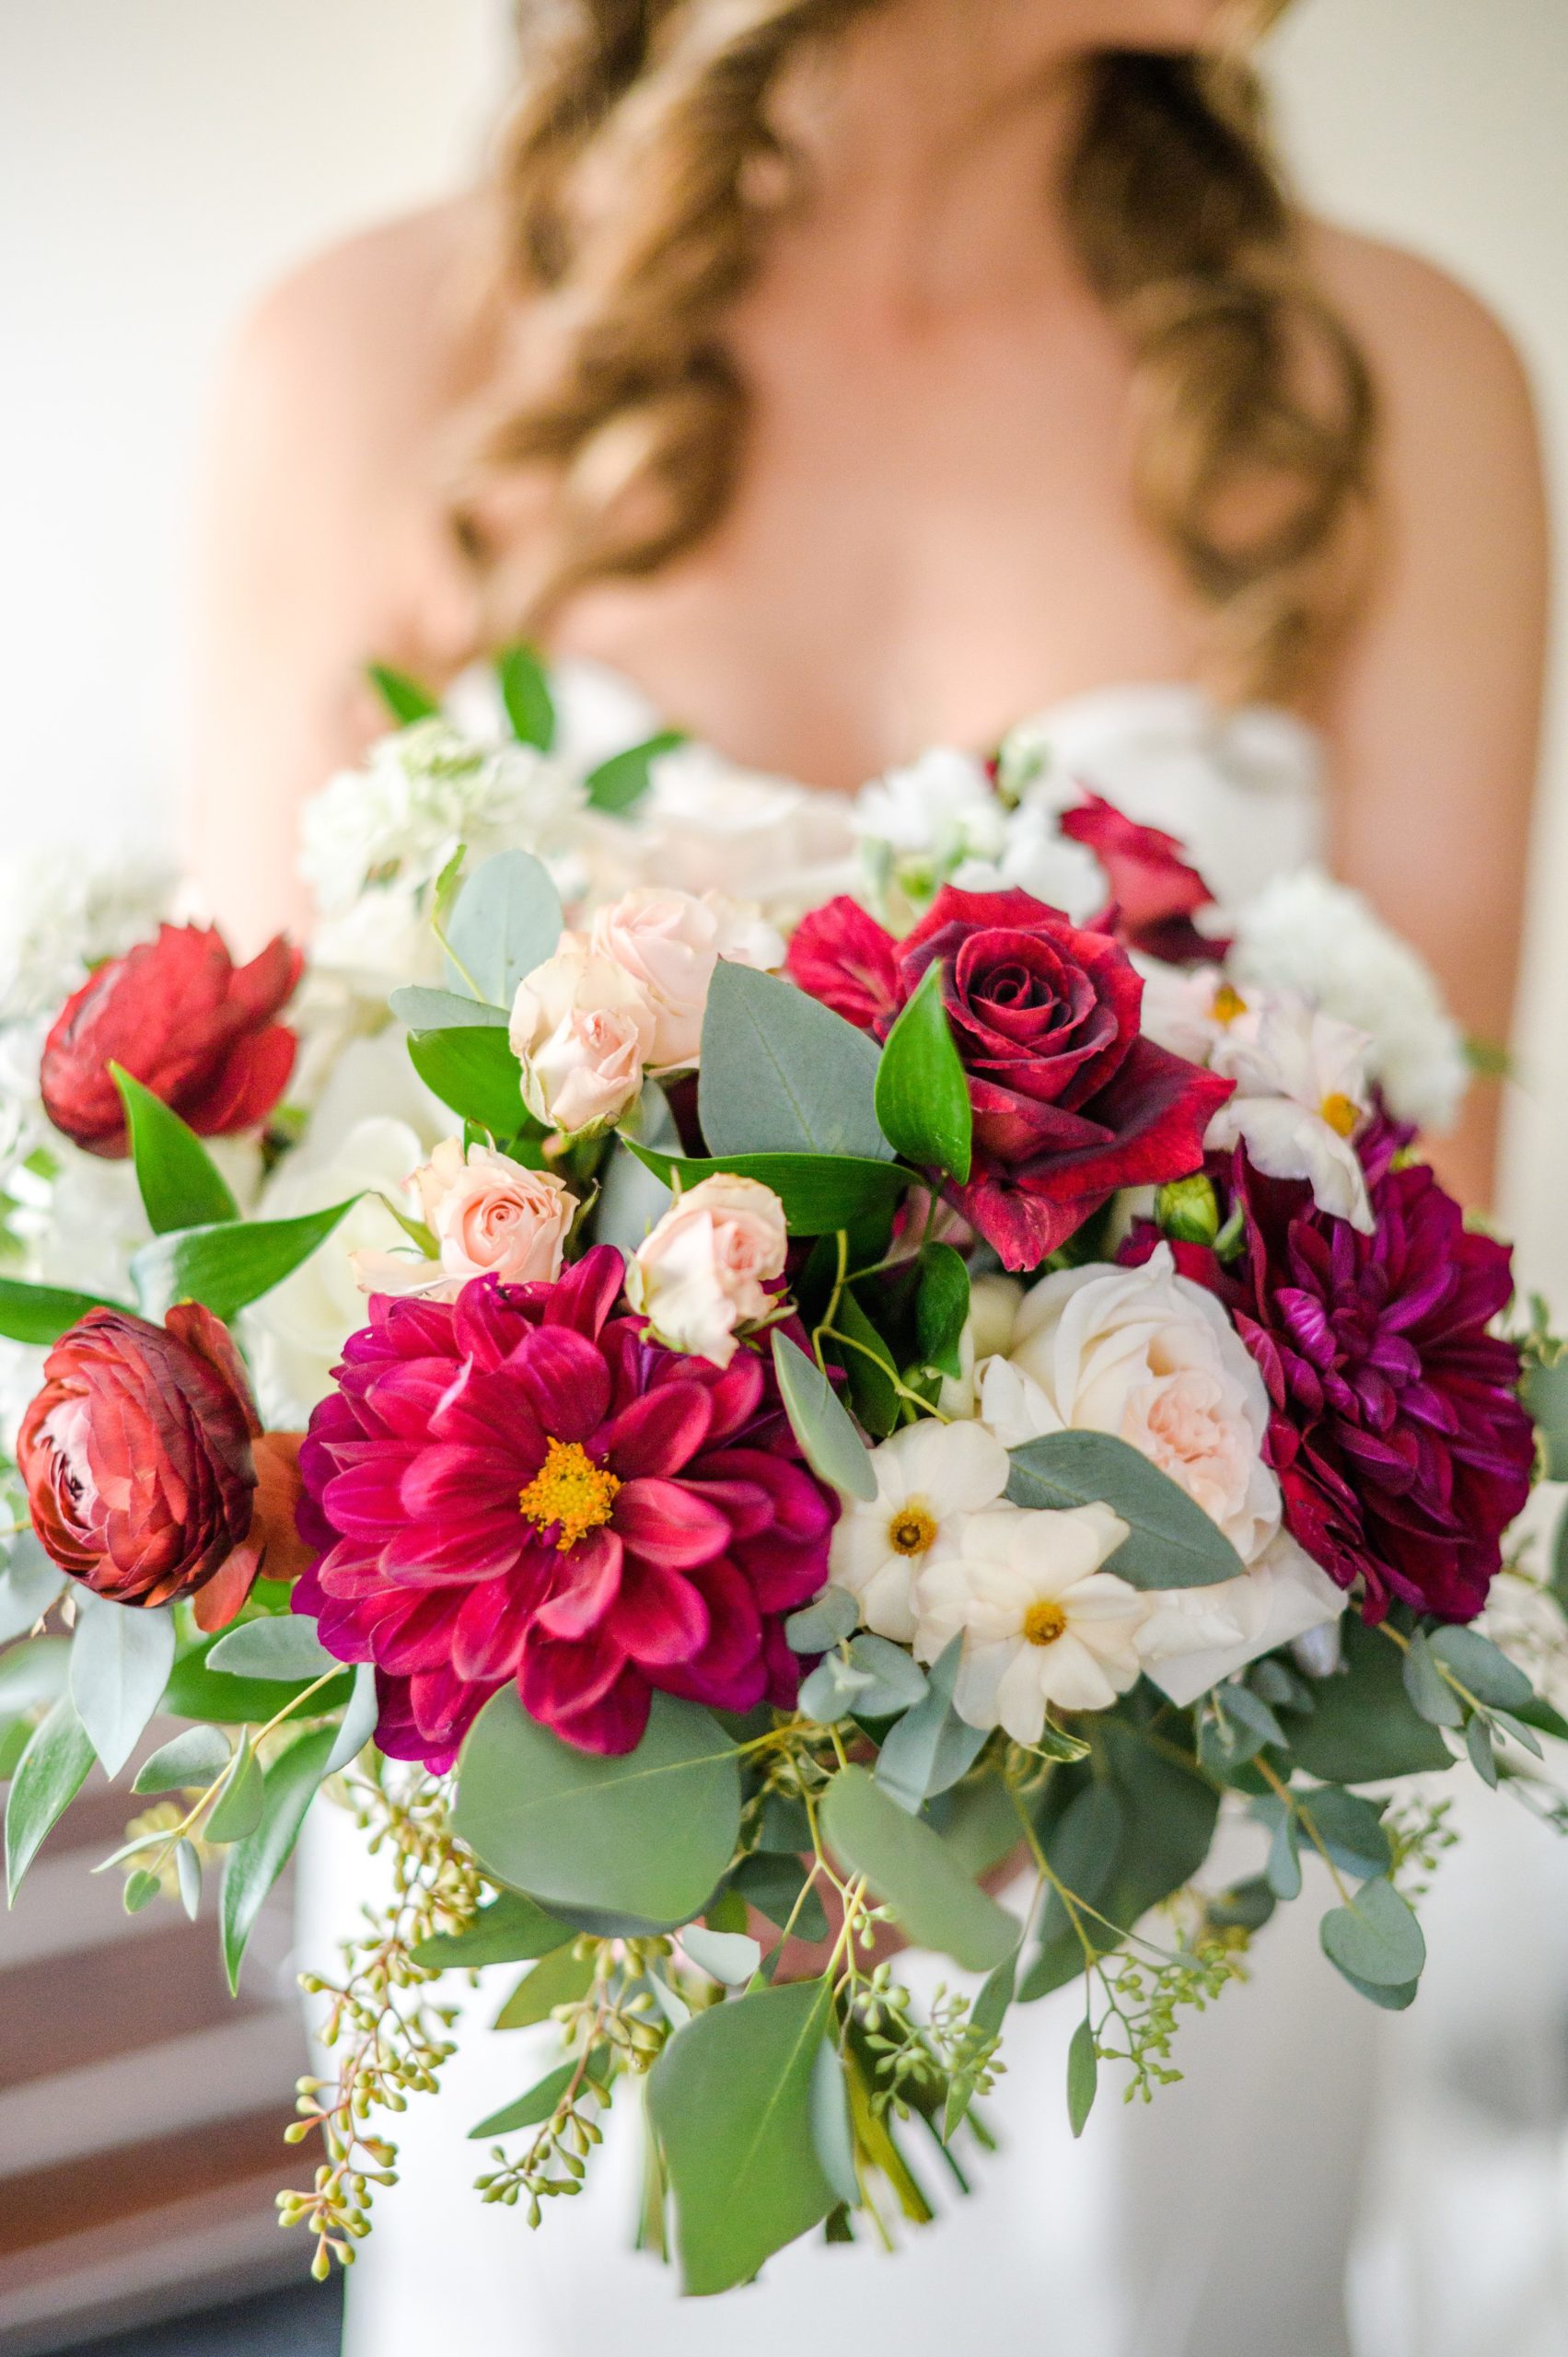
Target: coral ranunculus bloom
column 180, row 1016
column 1071, row 1102
column 517, row 1485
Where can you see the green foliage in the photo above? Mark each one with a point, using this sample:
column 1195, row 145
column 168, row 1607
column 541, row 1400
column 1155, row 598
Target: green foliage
column 283, row 1646
column 473, row 1069
column 195, row 1692
column 820, row 1192
column 525, row 691
column 728, row 1956
column 819, row 1625
column 506, row 920
column 238, row 1808
column 1171, row 1541
column 1364, row 1728
column 48, row 1777
column 563, row 1975
column 941, row 1307
column 873, row 1679
column 634, row 1842
column 771, row 1881
column 512, row 1927
column 731, row 2098
column 930, row 1747
column 189, row 1759
column 121, row 1658
column 181, row 1185
column 908, row 1867
column 1483, row 1671
column 1374, row 1940
column 782, row 1074
column 854, row 1344
column 403, row 697
column 228, row 1266
column 923, row 1093
column 1430, row 1693
column 254, row 1864
column 1083, row 2075
column 428, row 1010
column 39, row 1314
column 831, row 1445
column 620, row 784
column 28, row 1585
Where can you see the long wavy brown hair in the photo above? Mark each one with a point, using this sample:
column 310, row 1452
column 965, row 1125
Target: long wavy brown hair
column 637, row 189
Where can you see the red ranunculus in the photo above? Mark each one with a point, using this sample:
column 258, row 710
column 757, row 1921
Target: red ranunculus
column 1155, row 895
column 147, row 1473
column 1071, row 1102
column 517, row 1485
column 1402, row 1451
column 185, row 1021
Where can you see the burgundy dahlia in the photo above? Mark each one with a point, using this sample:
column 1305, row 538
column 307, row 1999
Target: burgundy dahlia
column 1401, row 1448
column 1071, row 1102
column 516, row 1485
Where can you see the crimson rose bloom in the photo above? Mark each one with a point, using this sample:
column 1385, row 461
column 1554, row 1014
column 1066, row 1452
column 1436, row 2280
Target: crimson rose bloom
column 1401, row 1448
column 1071, row 1102
column 516, row 1485
column 139, row 1457
column 185, row 1021
column 1154, row 894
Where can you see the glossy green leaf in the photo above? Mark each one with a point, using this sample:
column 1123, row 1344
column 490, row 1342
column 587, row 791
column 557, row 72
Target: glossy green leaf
column 640, row 1838
column 1364, row 1728
column 189, row 1760
column 559, row 1978
column 819, row 1424
column 942, row 1308
column 121, row 1658
column 619, row 784
column 40, row 1314
column 181, row 1184
column 28, row 1585
column 1083, row 2076
column 285, row 1645
column 911, row 1870
column 868, row 1364
column 525, row 691
column 48, row 1777
column 731, row 2099
column 238, row 1807
column 404, row 698
column 473, row 1070
column 506, row 920
column 922, row 1092
column 228, row 1266
column 781, row 1074
column 1171, row 1541
column 254, row 1864
column 512, row 1928
column 428, row 1010
column 820, row 1192
column 1374, row 1938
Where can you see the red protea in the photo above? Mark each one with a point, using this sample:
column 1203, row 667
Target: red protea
column 517, row 1485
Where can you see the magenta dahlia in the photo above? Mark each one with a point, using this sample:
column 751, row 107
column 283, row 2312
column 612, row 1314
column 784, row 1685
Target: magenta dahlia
column 517, row 1485
column 1401, row 1445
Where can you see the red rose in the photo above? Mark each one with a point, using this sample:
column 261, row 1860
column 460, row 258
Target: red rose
column 1154, row 894
column 1071, row 1102
column 147, row 1473
column 185, row 1021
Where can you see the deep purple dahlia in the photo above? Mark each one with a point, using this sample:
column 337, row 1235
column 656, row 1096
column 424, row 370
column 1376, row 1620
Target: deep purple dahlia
column 516, row 1485
column 1401, row 1445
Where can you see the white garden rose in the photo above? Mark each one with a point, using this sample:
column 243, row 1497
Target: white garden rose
column 706, row 1268
column 931, row 1478
column 709, row 826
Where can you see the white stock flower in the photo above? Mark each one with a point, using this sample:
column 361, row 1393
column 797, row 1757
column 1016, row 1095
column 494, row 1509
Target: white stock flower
column 669, row 942
column 1301, row 1095
column 931, row 1478
column 1305, row 934
column 705, row 1267
column 583, row 1031
column 1043, row 1625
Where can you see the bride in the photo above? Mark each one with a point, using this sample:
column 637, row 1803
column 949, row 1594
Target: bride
column 854, row 376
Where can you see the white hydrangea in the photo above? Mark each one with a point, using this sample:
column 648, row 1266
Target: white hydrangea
column 62, row 912
column 1305, row 934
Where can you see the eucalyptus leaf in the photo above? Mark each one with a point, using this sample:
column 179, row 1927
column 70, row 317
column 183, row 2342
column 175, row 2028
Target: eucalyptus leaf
column 1349, row 1827
column 188, row 1874
column 832, row 1446
column 1478, row 1743
column 228, row 1266
column 34, row 1672
column 1171, row 1541
column 358, row 1722
column 237, row 1809
column 833, row 1690
column 931, row 1746
column 729, row 1956
column 772, row 1884
column 121, row 1658
column 190, row 1759
column 506, row 920
column 254, row 1864
column 831, row 2133
column 897, row 1680
column 910, row 1869
column 181, row 1185
column 1365, row 1729
column 1083, row 2076
column 48, row 1777
column 141, row 1889
column 1283, row 1868
column 922, row 1092
column 1375, row 1937
column 559, row 1978
column 510, row 1929
column 781, row 1074
column 28, row 1585
column 194, row 1691
column 1481, row 1667
column 533, row 2109
column 283, row 1646
column 645, row 1836
column 1429, row 1690
column 817, row 1626
column 430, row 1010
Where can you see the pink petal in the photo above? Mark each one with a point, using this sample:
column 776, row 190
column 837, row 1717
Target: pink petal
column 666, row 1522
column 565, row 1380
column 590, row 1580
column 657, row 1434
column 659, row 1619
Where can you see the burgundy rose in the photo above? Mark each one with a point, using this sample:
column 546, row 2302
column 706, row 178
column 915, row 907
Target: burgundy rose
column 1071, row 1102
column 1402, row 1451
column 1155, row 895
column 185, row 1021
column 517, row 1486
column 145, row 1465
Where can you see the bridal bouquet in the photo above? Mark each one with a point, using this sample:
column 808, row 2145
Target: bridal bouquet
column 824, row 1376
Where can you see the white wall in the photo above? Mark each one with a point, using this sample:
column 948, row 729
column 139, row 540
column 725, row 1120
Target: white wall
column 160, row 160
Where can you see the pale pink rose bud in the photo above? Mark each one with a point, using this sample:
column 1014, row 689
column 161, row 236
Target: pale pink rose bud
column 704, row 1270
column 669, row 942
column 488, row 1215
column 583, row 1030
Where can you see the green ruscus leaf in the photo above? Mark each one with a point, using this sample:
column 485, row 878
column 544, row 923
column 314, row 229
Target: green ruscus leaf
column 923, row 1093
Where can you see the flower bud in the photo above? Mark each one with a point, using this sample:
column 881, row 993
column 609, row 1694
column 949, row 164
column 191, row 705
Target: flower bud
column 1188, row 1209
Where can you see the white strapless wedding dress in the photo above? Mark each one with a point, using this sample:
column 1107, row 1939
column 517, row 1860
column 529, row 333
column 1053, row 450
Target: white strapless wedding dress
column 1213, row 2224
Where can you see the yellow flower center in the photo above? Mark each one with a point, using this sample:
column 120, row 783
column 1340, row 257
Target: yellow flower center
column 912, row 1530
column 1227, row 1005
column 569, row 1491
column 1341, row 1112
column 1043, row 1623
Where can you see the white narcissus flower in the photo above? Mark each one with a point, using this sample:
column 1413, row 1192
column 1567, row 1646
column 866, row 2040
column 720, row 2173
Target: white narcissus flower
column 704, row 1270
column 1149, row 1356
column 1301, row 1095
column 1043, row 1626
column 583, row 1031
column 931, row 1478
column 489, row 1217
column 670, row 943
column 1305, row 934
column 1188, row 1009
